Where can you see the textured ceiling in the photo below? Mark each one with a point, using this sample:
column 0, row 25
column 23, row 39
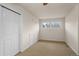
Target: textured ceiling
column 52, row 10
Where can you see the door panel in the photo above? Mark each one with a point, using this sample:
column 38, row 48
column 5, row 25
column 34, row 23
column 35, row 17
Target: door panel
column 1, row 34
column 11, row 32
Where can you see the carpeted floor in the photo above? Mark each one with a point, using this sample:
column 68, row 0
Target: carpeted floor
column 43, row 48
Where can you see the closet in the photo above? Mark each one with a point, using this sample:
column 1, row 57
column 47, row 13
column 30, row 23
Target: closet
column 9, row 31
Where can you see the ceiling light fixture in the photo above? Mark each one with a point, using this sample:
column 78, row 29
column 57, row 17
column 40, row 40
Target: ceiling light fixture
column 44, row 4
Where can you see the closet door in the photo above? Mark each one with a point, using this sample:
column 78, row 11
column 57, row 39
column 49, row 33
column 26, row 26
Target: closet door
column 11, row 32
column 1, row 34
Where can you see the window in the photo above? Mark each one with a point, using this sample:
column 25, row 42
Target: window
column 51, row 24
column 45, row 25
column 55, row 25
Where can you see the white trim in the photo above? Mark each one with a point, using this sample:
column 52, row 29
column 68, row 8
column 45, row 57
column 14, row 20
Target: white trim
column 72, row 49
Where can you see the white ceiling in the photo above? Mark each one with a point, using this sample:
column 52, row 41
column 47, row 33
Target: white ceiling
column 52, row 10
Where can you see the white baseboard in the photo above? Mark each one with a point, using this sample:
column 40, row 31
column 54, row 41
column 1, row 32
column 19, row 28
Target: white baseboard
column 28, row 46
column 72, row 49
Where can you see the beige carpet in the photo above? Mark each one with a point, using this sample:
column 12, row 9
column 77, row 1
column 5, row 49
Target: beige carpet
column 43, row 48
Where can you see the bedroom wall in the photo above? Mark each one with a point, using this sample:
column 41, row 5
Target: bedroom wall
column 71, row 27
column 52, row 34
column 29, row 26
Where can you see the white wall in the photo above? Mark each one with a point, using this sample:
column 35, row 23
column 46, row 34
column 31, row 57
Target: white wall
column 52, row 34
column 30, row 30
column 71, row 27
column 29, row 26
column 78, row 34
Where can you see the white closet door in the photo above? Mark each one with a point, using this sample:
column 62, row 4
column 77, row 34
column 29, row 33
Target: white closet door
column 11, row 32
column 1, row 34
